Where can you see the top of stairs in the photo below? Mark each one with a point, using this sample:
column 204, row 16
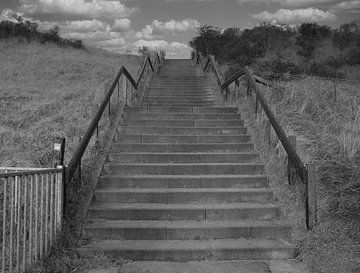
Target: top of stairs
column 183, row 181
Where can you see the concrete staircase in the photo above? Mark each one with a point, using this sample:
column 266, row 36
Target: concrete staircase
column 183, row 182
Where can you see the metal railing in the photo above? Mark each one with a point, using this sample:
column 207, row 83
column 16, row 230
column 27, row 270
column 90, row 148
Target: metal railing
column 32, row 208
column 306, row 172
column 151, row 62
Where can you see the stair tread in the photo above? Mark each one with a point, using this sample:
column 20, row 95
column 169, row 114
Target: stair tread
column 169, row 245
column 185, row 153
column 187, row 176
column 101, row 223
column 183, row 190
column 174, row 206
column 183, row 164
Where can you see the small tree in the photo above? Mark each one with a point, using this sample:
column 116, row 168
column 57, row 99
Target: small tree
column 310, row 36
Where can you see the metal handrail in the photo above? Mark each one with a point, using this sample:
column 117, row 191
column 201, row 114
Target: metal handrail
column 306, row 173
column 230, row 80
column 79, row 152
column 294, row 157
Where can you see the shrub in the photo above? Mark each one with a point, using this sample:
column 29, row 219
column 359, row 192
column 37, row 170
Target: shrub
column 29, row 30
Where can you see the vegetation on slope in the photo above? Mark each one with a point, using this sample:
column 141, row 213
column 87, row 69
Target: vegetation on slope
column 48, row 91
column 325, row 117
column 50, row 88
column 308, row 48
column 24, row 29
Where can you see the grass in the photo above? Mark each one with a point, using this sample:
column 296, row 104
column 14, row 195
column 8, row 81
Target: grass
column 47, row 91
column 326, row 121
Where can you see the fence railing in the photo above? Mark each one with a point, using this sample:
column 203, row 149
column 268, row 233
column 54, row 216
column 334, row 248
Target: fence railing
column 32, row 208
column 306, row 172
column 152, row 62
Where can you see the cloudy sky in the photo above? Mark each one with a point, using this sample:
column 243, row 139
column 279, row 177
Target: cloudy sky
column 123, row 25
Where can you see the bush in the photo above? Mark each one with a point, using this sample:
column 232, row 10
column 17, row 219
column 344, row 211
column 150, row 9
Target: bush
column 29, row 30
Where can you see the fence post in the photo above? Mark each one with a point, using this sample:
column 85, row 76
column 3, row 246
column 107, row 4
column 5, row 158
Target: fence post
column 291, row 171
column 237, row 89
column 248, row 91
column 267, row 133
column 58, row 152
column 311, row 206
column 256, row 106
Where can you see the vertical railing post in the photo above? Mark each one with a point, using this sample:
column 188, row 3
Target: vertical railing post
column 290, row 169
column 256, row 105
column 58, row 152
column 79, row 168
column 248, row 91
column 267, row 133
column 311, row 206
column 4, row 230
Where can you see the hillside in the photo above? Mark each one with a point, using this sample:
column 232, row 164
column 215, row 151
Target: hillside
column 49, row 91
column 323, row 114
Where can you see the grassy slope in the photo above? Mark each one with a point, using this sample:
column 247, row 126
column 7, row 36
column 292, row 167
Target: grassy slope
column 48, row 91
column 327, row 131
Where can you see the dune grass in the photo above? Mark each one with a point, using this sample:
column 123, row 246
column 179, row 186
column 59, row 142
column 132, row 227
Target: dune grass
column 326, row 121
column 48, row 91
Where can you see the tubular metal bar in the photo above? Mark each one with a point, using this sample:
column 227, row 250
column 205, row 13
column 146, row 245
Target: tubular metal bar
column 3, row 256
column 74, row 162
column 298, row 164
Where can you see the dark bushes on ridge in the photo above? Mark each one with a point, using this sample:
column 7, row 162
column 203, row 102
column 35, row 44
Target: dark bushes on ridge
column 308, row 48
column 29, row 30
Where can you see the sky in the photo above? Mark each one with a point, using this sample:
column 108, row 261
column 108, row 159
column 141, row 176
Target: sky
column 125, row 25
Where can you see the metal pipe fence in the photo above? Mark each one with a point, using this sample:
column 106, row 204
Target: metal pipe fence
column 31, row 215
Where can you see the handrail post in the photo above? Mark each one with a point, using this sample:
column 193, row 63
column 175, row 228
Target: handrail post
column 290, row 170
column 311, row 206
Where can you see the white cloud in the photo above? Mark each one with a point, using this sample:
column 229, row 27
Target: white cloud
column 158, row 28
column 182, row 1
column 8, row 15
column 172, row 25
column 83, row 26
column 121, row 25
column 293, row 3
column 145, row 33
column 90, row 9
column 180, row 50
column 352, row 6
column 296, row 15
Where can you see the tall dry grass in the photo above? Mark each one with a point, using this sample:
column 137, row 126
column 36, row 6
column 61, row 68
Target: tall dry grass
column 326, row 121
column 325, row 118
column 47, row 91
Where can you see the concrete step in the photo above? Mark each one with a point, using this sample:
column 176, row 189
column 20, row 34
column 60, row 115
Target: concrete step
column 175, row 101
column 181, row 195
column 180, row 87
column 186, row 109
column 184, row 123
column 185, row 250
column 186, row 230
column 178, row 97
column 130, row 130
column 209, row 104
column 182, row 168
column 183, row 116
column 184, row 148
column 126, row 138
column 183, row 181
column 176, row 212
column 183, row 157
